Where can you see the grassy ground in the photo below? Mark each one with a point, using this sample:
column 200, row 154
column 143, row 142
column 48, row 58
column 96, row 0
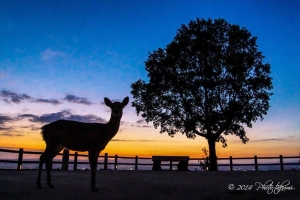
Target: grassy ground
column 135, row 185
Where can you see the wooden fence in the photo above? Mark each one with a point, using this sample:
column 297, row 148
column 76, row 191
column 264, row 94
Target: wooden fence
column 65, row 160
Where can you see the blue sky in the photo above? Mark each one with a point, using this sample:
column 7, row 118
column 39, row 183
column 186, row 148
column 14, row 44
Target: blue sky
column 69, row 55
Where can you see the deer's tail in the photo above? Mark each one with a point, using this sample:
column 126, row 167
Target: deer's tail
column 46, row 133
column 50, row 132
column 43, row 132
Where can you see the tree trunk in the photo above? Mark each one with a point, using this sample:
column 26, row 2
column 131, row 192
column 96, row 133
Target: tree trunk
column 212, row 154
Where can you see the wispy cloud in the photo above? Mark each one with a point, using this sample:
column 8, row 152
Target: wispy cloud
column 140, row 126
column 146, row 126
column 3, row 128
column 31, row 127
column 74, row 99
column 293, row 137
column 141, row 121
column 286, row 139
column 268, row 140
column 4, row 119
column 49, row 54
column 12, row 97
column 10, row 134
column 64, row 114
column 52, row 101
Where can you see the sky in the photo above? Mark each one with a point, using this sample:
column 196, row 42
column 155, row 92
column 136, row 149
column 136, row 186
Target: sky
column 59, row 59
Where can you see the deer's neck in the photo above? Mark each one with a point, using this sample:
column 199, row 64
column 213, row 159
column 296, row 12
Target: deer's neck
column 113, row 126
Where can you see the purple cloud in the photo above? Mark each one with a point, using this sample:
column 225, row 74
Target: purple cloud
column 74, row 99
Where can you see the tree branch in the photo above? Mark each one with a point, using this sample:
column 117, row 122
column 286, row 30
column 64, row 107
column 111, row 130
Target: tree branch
column 200, row 134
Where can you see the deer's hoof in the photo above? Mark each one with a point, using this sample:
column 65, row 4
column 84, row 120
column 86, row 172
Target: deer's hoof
column 38, row 185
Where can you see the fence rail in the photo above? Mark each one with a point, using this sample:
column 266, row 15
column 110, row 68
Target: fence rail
column 65, row 160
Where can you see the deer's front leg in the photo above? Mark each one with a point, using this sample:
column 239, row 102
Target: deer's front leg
column 38, row 182
column 93, row 159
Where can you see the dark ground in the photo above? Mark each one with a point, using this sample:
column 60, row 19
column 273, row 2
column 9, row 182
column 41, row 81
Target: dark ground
column 154, row 185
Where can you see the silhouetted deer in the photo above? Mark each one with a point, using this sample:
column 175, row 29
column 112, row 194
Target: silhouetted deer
column 78, row 136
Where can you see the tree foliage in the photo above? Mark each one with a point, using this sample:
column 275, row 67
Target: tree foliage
column 209, row 81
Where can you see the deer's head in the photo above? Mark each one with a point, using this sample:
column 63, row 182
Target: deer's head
column 116, row 107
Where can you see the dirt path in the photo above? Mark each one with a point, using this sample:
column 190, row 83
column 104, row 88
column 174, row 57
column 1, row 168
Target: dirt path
column 154, row 185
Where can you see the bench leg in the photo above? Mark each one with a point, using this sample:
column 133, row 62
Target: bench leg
column 156, row 165
column 183, row 166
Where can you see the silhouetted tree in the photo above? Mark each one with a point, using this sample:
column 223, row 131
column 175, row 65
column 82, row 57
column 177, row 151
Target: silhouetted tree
column 209, row 81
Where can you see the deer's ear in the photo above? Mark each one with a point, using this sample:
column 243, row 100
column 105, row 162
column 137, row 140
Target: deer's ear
column 107, row 102
column 125, row 101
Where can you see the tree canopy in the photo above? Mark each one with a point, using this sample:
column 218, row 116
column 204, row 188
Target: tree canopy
column 209, row 81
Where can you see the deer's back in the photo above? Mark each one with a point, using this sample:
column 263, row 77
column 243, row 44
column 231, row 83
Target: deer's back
column 73, row 134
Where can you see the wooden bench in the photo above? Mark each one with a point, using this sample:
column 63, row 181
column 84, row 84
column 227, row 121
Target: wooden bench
column 182, row 165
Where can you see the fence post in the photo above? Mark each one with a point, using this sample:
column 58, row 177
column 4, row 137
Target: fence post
column 20, row 159
column 75, row 161
column 65, row 160
column 116, row 162
column 281, row 162
column 105, row 161
column 231, row 166
column 136, row 163
column 255, row 162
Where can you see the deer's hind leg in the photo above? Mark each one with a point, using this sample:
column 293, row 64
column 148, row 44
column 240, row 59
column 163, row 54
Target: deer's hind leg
column 50, row 152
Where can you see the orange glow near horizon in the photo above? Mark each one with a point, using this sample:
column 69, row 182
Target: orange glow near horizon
column 130, row 142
